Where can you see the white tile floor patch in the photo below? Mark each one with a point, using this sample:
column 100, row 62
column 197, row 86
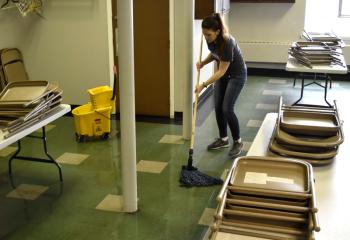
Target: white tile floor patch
column 72, row 158
column 263, row 106
column 278, row 81
column 230, row 236
column 7, row 151
column 111, row 203
column 272, row 92
column 254, row 123
column 207, row 217
column 246, row 146
column 151, row 166
column 172, row 139
column 27, row 191
column 224, row 174
column 335, row 85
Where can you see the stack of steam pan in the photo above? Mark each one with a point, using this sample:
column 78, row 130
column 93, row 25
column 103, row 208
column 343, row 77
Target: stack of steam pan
column 269, row 198
column 315, row 53
column 309, row 133
column 22, row 104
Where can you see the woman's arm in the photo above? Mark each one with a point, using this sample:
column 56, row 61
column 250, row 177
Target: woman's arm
column 207, row 60
column 223, row 66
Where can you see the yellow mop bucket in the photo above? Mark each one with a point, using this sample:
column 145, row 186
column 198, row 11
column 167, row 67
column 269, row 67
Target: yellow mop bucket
column 90, row 122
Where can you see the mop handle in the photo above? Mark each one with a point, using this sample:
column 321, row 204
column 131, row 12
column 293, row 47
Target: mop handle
column 196, row 98
column 115, row 75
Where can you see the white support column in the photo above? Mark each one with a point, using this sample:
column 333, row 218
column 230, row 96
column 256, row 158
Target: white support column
column 188, row 88
column 172, row 55
column 127, row 104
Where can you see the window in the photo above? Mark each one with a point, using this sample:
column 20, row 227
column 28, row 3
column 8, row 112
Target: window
column 328, row 16
column 344, row 8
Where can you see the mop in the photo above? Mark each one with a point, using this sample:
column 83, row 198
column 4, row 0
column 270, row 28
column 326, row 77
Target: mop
column 190, row 176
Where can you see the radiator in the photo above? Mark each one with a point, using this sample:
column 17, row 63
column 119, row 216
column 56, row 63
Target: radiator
column 265, row 52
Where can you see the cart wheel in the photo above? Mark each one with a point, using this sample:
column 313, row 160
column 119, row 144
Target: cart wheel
column 78, row 137
column 105, row 136
column 81, row 138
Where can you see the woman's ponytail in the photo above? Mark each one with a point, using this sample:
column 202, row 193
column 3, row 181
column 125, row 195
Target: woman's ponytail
column 215, row 22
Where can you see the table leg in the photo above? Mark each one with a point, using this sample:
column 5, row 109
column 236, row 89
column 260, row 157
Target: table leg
column 49, row 159
column 301, row 91
column 328, row 78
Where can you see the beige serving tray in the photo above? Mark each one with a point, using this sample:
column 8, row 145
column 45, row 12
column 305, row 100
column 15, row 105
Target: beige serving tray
column 273, row 226
column 234, row 210
column 306, row 123
column 310, row 141
column 318, row 141
column 264, row 205
column 260, row 234
column 22, row 125
column 270, row 175
column 23, row 91
column 285, row 151
column 268, row 200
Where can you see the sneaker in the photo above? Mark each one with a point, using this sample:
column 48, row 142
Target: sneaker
column 236, row 149
column 217, row 144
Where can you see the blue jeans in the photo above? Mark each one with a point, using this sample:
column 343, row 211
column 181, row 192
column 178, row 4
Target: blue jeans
column 226, row 92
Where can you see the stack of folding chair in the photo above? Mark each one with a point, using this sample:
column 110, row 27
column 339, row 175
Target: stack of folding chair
column 267, row 198
column 315, row 53
column 309, row 133
column 24, row 103
column 12, row 67
column 328, row 38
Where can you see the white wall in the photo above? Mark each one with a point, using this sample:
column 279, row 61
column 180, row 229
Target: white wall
column 265, row 25
column 267, row 21
column 265, row 30
column 180, row 54
column 208, row 69
column 71, row 46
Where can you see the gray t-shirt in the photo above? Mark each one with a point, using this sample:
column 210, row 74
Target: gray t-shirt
column 230, row 52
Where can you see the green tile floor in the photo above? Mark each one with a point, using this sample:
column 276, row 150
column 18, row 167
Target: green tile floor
column 166, row 211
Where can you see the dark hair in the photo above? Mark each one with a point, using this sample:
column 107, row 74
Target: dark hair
column 214, row 22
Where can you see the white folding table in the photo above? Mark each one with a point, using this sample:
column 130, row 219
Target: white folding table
column 293, row 66
column 52, row 116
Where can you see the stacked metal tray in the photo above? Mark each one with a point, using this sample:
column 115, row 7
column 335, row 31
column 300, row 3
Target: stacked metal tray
column 309, row 133
column 269, row 198
column 315, row 53
column 24, row 103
